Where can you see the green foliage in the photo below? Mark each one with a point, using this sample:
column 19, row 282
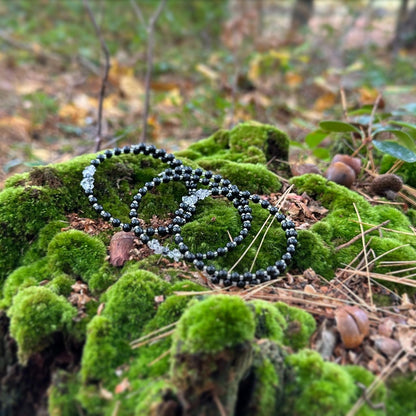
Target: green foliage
column 61, row 394
column 213, row 324
column 401, row 391
column 36, row 315
column 300, row 325
column 76, row 253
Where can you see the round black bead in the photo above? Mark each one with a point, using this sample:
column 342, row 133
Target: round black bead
column 149, row 185
column 188, row 256
column 227, row 282
column 133, row 213
column 106, row 215
column 221, row 251
column 264, row 203
column 176, row 229
column 215, row 280
column 126, row 227
column 138, row 231
column 95, row 162
column 97, row 207
column 292, row 240
column 183, row 248
column 287, row 257
column 162, row 231
column 199, row 264
column 92, row 199
column 208, row 174
column 178, row 239
column 101, row 157
column 138, row 197
column 235, row 277
column 150, row 231
column 255, row 198
column 243, row 232
column 134, row 222
column 126, row 149
column 247, row 276
column 210, row 255
column 117, row 151
column 134, row 205
column 291, row 248
column 108, row 154
column 238, row 239
column 210, row 270
column 231, row 245
column 241, row 284
column 247, row 224
column 144, row 238
column 281, row 265
column 291, row 233
column 273, row 210
column 115, row 222
column 217, row 178
column 222, row 274
column 280, row 217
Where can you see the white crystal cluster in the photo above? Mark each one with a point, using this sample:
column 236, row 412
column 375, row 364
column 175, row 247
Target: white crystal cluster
column 88, row 174
column 174, row 254
column 199, row 195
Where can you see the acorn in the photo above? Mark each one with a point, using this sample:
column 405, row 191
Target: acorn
column 120, row 245
column 353, row 325
column 352, row 162
column 341, row 174
column 387, row 185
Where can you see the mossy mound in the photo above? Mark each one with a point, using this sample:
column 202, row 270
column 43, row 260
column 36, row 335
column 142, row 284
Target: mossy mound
column 127, row 342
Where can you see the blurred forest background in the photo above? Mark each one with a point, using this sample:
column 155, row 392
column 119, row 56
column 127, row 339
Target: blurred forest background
column 215, row 63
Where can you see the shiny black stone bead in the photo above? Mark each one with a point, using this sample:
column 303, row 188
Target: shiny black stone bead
column 150, row 231
column 247, row 224
column 208, row 174
column 95, row 162
column 198, row 172
column 126, row 149
column 199, row 256
column 199, row 264
column 241, row 284
column 117, row 151
column 222, row 274
column 97, row 207
column 243, row 232
column 231, row 245
column 264, row 203
column 205, row 181
column 221, row 251
column 178, row 170
column 138, row 197
column 92, row 199
column 151, row 149
column 160, row 153
column 178, row 239
column 126, row 227
column 169, row 158
column 280, row 217
column 227, row 282
column 179, row 221
column 285, row 225
column 115, row 222
column 106, row 215
column 246, row 217
column 165, row 179
column 281, row 265
column 108, row 154
column 224, row 191
column 157, row 181
column 187, row 169
column 149, row 185
column 273, row 271
column 141, row 147
column 134, row 222
column 176, row 177
column 168, row 172
column 136, row 150
column 189, row 257
column 89, row 191
column 183, row 248
column 134, row 205
column 187, row 216
column 186, row 177
column 235, row 277
column 226, row 182
column 142, row 191
column 210, row 255
column 260, row 274
column 210, row 270
column 273, row 210
column 144, row 238
column 176, row 162
column 287, row 257
column 255, row 198
column 133, row 213
column 248, row 276
column 290, row 224
column 291, row 248
column 215, row 191
column 101, row 157
column 162, row 231
column 245, row 194
column 176, row 229
column 238, row 239
column 292, row 240
column 291, row 233
column 217, row 178
column 138, row 231
column 215, row 280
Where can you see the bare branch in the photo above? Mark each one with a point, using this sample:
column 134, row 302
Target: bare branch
column 104, row 48
column 149, row 58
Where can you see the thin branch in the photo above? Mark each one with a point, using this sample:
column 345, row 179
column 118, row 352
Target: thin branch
column 104, row 48
column 149, row 57
column 357, row 237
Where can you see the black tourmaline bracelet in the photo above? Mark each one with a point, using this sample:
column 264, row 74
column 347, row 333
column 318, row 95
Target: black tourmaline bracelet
column 214, row 185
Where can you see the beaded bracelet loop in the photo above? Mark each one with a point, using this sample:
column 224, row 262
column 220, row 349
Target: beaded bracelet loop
column 214, row 185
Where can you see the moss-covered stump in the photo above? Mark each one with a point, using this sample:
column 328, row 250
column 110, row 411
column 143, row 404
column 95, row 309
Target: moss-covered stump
column 80, row 336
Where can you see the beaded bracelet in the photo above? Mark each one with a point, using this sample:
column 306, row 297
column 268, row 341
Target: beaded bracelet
column 192, row 178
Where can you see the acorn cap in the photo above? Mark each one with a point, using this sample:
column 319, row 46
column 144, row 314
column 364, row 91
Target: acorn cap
column 384, row 184
column 353, row 162
column 341, row 174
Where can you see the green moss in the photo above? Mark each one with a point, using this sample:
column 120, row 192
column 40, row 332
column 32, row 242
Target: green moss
column 130, row 302
column 104, row 278
column 401, row 394
column 269, row 321
column 152, row 397
column 36, row 314
column 213, row 324
column 313, row 252
column 76, row 253
column 61, row 284
column 300, row 325
column 22, row 277
column 411, row 214
column 61, row 394
column 101, row 351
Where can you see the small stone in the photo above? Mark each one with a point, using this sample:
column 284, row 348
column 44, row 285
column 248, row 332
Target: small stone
column 89, row 171
column 88, row 183
column 385, row 184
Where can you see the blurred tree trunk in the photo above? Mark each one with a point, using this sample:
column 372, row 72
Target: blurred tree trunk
column 405, row 33
column 301, row 13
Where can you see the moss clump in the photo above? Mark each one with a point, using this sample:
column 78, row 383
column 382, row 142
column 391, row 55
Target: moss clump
column 61, row 394
column 36, row 315
column 300, row 325
column 270, row 323
column 22, row 277
column 401, row 394
column 213, row 324
column 61, row 284
column 76, row 253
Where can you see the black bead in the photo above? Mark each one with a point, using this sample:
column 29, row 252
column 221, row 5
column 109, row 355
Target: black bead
column 290, row 224
column 199, row 264
column 226, row 182
column 245, row 194
column 287, row 257
column 255, row 198
column 149, row 185
column 95, row 162
column 199, row 256
column 221, row 251
column 292, row 240
column 101, row 157
column 247, row 224
column 238, row 239
column 134, row 222
column 183, row 248
column 273, row 210
column 160, row 153
column 126, row 227
column 215, row 191
column 141, row 147
column 210, row 255
column 217, row 178
column 285, row 225
column 162, row 231
column 264, row 203
column 150, row 231
column 165, row 179
column 138, row 231
column 178, row 239
column 280, row 217
column 106, row 215
column 205, row 181
column 142, row 191
column 176, row 229
column 157, row 181
column 235, row 277
column 227, row 282
column 92, row 199
column 176, row 162
column 151, row 149
column 281, row 265
column 169, row 158
column 241, row 284
column 97, row 207
column 210, row 270
column 260, row 274
column 231, row 245
column 291, row 249
column 134, row 205
column 133, row 213
column 215, row 280
column 138, row 197
column 273, row 271
column 126, row 149
column 136, row 150
column 176, row 177
column 117, row 151
column 208, row 174
column 108, row 154
column 115, row 222
column 187, row 169
column 224, row 191
column 291, row 233
column 222, row 274
column 198, row 172
column 243, row 232
column 188, row 256
column 144, row 238
column 248, row 276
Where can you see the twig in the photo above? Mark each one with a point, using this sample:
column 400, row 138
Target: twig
column 219, row 405
column 149, row 57
column 357, row 237
column 365, row 257
column 104, row 48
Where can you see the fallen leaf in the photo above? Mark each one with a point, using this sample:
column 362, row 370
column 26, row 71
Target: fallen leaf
column 122, row 386
column 325, row 101
column 131, row 87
